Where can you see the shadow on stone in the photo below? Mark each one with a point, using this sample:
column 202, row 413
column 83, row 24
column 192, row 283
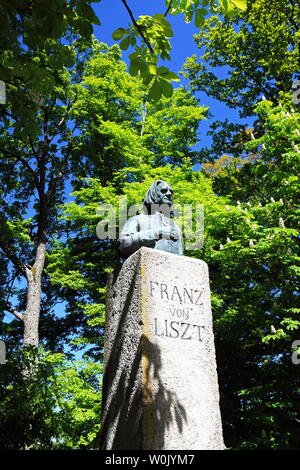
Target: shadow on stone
column 121, row 394
column 137, row 407
column 160, row 405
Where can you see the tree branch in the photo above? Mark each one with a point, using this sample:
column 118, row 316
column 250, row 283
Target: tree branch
column 138, row 28
column 169, row 8
column 12, row 256
column 32, row 146
column 52, row 186
column 7, row 113
column 24, row 162
column 63, row 119
column 14, row 312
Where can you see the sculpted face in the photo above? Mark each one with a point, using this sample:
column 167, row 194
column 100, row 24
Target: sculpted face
column 164, row 194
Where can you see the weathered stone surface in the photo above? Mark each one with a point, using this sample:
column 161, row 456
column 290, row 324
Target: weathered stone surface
column 160, row 386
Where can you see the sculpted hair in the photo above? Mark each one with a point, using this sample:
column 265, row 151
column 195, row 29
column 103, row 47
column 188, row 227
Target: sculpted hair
column 151, row 194
column 151, row 197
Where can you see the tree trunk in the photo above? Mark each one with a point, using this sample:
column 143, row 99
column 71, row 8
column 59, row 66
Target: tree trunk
column 32, row 314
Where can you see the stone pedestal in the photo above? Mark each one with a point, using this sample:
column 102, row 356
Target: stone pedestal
column 160, row 386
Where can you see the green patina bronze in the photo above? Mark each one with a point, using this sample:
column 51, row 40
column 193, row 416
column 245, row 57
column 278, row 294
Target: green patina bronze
column 155, row 228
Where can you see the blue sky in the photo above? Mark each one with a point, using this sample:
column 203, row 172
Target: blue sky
column 113, row 15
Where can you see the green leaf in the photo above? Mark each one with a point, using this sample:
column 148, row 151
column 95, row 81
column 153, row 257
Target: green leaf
column 125, row 43
column 132, row 40
column 134, row 67
column 199, row 18
column 153, row 69
column 188, row 16
column 166, row 87
column 155, row 91
column 240, row 4
column 84, row 27
column 162, row 70
column 176, row 11
column 144, row 70
column 231, row 13
column 85, row 10
column 168, row 33
column 165, row 73
column 147, row 78
column 119, row 33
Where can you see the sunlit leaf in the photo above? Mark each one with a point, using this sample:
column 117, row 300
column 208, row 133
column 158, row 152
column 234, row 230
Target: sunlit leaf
column 240, row 4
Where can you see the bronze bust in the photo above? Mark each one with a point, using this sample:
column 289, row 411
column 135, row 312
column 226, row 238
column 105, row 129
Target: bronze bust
column 154, row 228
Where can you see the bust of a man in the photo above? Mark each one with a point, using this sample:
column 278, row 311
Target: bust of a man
column 154, row 228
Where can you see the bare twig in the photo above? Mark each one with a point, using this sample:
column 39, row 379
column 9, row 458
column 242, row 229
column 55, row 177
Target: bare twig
column 138, row 28
column 169, row 8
